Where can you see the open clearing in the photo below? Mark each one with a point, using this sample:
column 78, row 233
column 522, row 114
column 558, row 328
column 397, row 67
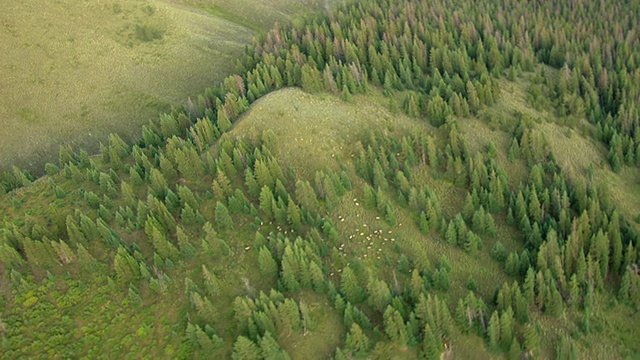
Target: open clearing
column 316, row 131
column 73, row 72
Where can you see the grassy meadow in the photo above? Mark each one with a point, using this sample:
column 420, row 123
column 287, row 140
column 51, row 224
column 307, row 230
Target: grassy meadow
column 73, row 72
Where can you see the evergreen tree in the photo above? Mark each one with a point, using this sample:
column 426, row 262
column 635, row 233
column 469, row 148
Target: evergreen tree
column 294, row 215
column 211, row 282
column 369, row 197
column 625, row 286
column 430, row 348
column 494, row 330
column 390, row 215
column 184, row 243
column 506, row 328
column 266, row 263
column 531, row 339
column 270, row 349
column 245, row 349
column 266, row 202
column 515, row 352
column 350, row 287
column 394, row 326
column 190, row 216
column 160, row 243
column 223, row 219
column 357, row 342
column 379, row 294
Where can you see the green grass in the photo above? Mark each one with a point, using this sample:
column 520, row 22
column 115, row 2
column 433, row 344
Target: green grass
column 270, row 11
column 574, row 149
column 625, row 190
column 71, row 73
column 323, row 337
column 316, row 131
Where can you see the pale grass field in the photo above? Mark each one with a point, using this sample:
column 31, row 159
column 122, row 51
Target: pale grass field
column 71, row 72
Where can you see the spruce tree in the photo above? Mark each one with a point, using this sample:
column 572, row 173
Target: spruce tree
column 266, row 263
column 394, row 326
column 379, row 294
column 357, row 342
column 245, row 349
column 223, row 219
column 350, row 287
column 506, row 328
column 625, row 286
column 494, row 330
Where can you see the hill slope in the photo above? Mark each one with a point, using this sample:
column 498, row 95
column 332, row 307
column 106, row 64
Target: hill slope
column 400, row 205
column 73, row 73
column 302, row 123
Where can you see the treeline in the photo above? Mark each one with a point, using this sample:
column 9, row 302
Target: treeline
column 446, row 57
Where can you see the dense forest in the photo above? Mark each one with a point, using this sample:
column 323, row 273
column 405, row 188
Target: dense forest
column 200, row 241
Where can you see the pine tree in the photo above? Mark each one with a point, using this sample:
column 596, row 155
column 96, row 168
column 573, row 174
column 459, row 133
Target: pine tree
column 394, row 326
column 430, row 348
column 369, row 197
column 512, row 265
column 471, row 284
column 317, row 278
column 506, row 328
column 245, row 349
column 417, row 285
column 423, row 224
column 494, row 330
column 306, row 196
column 266, row 202
column 381, row 201
column 390, row 215
column 289, row 270
column 270, row 349
column 191, row 217
column 293, row 215
column 498, row 252
column 531, row 339
column 266, row 263
column 350, row 287
column 252, row 185
column 160, row 243
column 379, row 294
column 224, row 123
column 451, row 235
column 158, row 185
column 223, row 219
column 515, row 352
column 625, row 286
column 211, row 282
column 184, row 243
column 357, row 342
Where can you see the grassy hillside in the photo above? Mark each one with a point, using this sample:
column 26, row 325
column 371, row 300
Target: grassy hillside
column 74, row 72
column 312, row 134
column 384, row 180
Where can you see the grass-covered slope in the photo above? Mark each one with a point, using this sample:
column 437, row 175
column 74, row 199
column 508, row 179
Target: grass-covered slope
column 82, row 301
column 71, row 73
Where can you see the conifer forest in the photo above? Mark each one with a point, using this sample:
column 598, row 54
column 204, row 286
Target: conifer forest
column 374, row 179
